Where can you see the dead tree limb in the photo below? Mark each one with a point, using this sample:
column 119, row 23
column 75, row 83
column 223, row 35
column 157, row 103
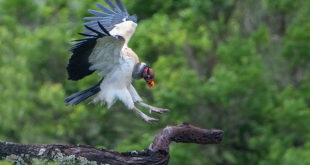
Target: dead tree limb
column 157, row 153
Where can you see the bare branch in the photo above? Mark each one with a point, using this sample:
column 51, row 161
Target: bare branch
column 157, row 153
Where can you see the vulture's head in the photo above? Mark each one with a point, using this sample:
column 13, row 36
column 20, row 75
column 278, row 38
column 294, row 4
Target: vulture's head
column 141, row 70
column 148, row 76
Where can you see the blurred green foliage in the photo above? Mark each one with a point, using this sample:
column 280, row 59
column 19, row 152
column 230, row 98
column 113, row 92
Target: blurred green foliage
column 242, row 66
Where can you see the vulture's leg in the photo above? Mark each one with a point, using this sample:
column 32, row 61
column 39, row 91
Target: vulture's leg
column 144, row 116
column 151, row 108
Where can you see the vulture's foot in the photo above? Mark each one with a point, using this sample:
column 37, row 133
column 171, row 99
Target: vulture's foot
column 152, row 109
column 144, row 116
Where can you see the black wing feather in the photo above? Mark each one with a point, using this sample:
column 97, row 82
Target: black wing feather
column 103, row 29
column 111, row 4
column 93, row 18
column 98, row 13
column 83, row 95
column 87, row 35
column 93, row 30
column 78, row 66
column 84, row 39
column 104, row 9
column 121, row 6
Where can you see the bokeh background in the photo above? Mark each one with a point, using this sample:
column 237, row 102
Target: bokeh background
column 242, row 66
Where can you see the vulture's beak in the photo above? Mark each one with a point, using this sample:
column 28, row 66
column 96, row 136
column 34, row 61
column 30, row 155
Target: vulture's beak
column 150, row 83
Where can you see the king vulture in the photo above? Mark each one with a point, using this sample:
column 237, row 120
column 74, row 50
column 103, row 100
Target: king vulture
column 105, row 49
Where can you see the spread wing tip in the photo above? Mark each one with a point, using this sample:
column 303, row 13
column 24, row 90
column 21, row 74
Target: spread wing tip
column 110, row 15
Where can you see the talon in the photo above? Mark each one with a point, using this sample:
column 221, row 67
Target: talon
column 152, row 109
column 158, row 110
column 150, row 120
column 144, row 116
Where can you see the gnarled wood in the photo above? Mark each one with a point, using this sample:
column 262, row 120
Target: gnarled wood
column 156, row 154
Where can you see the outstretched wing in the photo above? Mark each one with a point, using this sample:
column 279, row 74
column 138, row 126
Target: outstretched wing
column 108, row 17
column 106, row 54
column 100, row 51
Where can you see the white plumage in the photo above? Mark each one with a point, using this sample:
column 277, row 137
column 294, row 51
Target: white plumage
column 115, row 86
column 112, row 58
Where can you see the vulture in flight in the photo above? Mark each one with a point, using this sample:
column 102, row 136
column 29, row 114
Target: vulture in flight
column 105, row 49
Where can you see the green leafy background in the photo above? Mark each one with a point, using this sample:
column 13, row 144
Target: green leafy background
column 242, row 66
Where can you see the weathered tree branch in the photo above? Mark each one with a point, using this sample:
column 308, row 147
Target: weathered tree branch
column 157, row 153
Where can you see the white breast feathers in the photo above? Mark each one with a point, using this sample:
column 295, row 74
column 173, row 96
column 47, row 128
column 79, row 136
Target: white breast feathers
column 116, row 84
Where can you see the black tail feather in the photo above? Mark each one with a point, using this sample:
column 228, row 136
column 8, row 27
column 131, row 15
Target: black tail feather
column 82, row 95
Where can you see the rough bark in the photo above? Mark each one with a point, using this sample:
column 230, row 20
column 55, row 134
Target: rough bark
column 157, row 153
